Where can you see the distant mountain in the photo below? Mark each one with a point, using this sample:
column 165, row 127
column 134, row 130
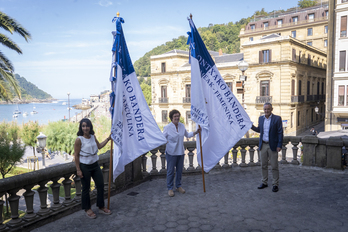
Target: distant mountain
column 29, row 90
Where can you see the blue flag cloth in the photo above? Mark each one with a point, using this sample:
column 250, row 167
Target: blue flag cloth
column 213, row 106
column 134, row 130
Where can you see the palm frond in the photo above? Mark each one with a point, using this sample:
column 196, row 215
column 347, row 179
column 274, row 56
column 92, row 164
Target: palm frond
column 9, row 43
column 3, row 91
column 9, row 77
column 5, row 22
column 6, row 62
column 15, row 26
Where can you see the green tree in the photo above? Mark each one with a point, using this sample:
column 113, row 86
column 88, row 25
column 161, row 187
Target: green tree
column 102, row 129
column 11, row 150
column 7, row 79
column 30, row 131
column 147, row 92
column 306, row 3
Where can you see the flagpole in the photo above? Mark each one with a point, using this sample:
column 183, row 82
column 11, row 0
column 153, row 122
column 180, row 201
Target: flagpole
column 200, row 146
column 112, row 142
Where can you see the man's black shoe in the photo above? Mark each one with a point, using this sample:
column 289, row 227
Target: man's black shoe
column 275, row 189
column 262, row 186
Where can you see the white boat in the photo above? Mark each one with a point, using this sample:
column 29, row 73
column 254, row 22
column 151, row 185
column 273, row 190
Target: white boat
column 34, row 111
column 15, row 115
column 64, row 103
column 25, row 114
column 54, row 101
column 17, row 111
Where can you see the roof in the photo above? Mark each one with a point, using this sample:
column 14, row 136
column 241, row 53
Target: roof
column 177, row 51
column 271, row 36
column 229, row 58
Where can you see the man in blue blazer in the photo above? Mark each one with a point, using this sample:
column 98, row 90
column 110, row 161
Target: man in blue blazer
column 271, row 140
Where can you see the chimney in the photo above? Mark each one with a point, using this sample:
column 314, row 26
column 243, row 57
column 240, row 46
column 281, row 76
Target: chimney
column 220, row 52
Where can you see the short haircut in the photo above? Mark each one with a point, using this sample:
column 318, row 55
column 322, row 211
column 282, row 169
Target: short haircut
column 89, row 124
column 268, row 104
column 171, row 114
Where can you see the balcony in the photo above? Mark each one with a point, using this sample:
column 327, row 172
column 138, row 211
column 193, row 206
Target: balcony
column 310, row 98
column 163, row 100
column 263, row 99
column 322, row 97
column 297, row 99
column 186, row 100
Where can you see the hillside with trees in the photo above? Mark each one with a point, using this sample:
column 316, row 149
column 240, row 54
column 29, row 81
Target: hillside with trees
column 29, row 90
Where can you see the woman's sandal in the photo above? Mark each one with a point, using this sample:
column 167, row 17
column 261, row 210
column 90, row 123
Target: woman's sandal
column 91, row 215
column 105, row 211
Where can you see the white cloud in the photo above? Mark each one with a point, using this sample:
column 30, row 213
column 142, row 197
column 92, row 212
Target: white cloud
column 105, row 3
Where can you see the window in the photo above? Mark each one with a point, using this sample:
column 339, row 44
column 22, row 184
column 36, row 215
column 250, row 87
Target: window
column 325, row 29
column 309, row 43
column 309, row 60
column 264, row 88
column 294, row 20
column 265, row 25
column 293, row 54
column 163, row 67
column 311, row 17
column 299, row 87
column 343, row 26
column 325, row 43
column 299, row 57
column 252, row 27
column 342, row 66
column 341, row 95
column 322, row 88
column 229, row 85
column 309, row 31
column 188, row 116
column 164, row 116
column 293, row 34
column 326, row 13
column 265, row 56
column 344, row 1
column 292, row 87
column 298, row 118
column 312, row 115
column 188, row 91
column 308, row 87
column 279, row 22
column 251, row 39
column 163, row 91
column 318, row 88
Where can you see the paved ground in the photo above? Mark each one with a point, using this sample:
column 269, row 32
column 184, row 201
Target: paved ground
column 309, row 199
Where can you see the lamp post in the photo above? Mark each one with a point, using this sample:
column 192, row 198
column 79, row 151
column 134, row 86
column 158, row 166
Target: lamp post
column 42, row 144
column 243, row 66
column 69, row 105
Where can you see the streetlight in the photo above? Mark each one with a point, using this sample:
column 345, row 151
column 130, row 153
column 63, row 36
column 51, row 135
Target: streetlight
column 243, row 66
column 69, row 105
column 42, row 144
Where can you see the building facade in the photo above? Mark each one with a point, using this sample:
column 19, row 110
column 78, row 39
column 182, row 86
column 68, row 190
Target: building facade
column 337, row 72
column 282, row 70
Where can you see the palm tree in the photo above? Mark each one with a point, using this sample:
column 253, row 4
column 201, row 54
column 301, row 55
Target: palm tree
column 7, row 79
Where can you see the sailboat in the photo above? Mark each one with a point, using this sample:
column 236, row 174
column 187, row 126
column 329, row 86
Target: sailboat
column 34, row 111
column 17, row 111
column 15, row 115
column 25, row 114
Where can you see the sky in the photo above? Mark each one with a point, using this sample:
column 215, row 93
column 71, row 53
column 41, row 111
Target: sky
column 70, row 49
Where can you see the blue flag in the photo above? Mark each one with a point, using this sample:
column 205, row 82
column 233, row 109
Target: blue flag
column 213, row 106
column 134, row 130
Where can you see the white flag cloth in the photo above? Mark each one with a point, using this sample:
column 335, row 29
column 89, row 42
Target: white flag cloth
column 213, row 106
column 134, row 129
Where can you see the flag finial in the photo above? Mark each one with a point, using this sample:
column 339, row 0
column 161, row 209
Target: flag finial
column 118, row 14
column 190, row 16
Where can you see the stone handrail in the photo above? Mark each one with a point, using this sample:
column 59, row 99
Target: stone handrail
column 316, row 152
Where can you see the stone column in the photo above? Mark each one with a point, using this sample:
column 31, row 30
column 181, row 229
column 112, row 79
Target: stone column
column 334, row 153
column 234, row 155
column 190, row 155
column 225, row 165
column 78, row 187
column 2, row 226
column 14, row 204
column 295, row 141
column 43, row 199
column 251, row 154
column 105, row 171
column 144, row 160
column 320, row 153
column 243, row 151
column 163, row 159
column 284, row 149
column 29, row 202
column 310, row 143
column 154, row 161
column 55, row 192
column 67, row 190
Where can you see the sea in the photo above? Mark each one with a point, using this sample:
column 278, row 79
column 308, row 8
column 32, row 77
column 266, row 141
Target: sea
column 47, row 112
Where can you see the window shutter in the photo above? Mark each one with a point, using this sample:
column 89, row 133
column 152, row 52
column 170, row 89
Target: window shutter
column 292, row 87
column 270, row 55
column 293, row 54
column 342, row 61
column 299, row 87
column 260, row 57
column 344, row 23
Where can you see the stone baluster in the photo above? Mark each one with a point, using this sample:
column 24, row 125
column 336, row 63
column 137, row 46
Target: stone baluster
column 144, row 161
column 105, row 172
column 154, row 161
column 225, row 165
column 190, row 155
column 294, row 153
column 284, row 149
column 78, row 188
column 243, row 151
column 55, row 186
column 234, row 155
column 67, row 189
column 2, row 226
column 29, row 202
column 258, row 163
column 14, row 204
column 251, row 154
column 43, row 198
column 217, row 166
column 163, row 159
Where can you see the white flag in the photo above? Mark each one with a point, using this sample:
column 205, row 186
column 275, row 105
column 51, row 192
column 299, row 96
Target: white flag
column 213, row 106
column 134, row 129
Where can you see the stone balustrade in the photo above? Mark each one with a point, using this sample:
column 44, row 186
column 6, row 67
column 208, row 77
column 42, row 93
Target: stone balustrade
column 316, row 152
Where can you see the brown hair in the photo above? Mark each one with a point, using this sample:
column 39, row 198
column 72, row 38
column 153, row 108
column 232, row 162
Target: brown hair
column 172, row 112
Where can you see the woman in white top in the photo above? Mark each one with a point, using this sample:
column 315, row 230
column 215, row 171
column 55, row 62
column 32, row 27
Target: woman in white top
column 86, row 161
column 174, row 133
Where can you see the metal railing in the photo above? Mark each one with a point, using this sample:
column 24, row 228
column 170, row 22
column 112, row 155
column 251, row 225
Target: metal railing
column 299, row 98
column 263, row 99
column 186, row 100
column 163, row 100
column 310, row 98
